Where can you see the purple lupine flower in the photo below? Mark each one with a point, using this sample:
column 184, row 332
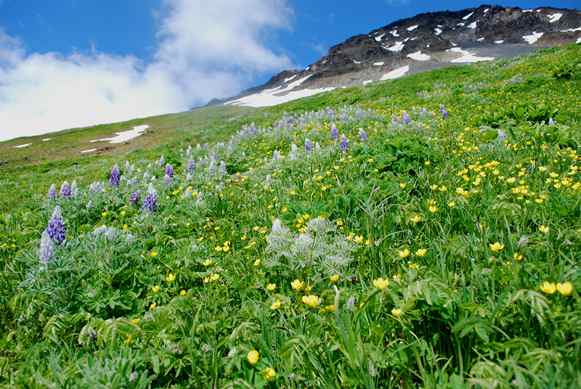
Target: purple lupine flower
column 169, row 170
column 66, row 190
column 167, row 180
column 56, row 226
column 363, row 137
column 191, row 166
column 134, row 198
column 52, row 192
column 161, row 161
column 96, row 187
column 150, row 201
column 115, row 176
column 405, row 117
column 46, row 250
column 334, row 132
column 444, row 112
column 344, row 145
column 308, row 145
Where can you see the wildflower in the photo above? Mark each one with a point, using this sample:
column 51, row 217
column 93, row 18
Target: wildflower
column 271, row 287
column 334, row 278
column 167, row 180
column 565, row 288
column 381, row 283
column 207, row 262
column 257, row 262
column 156, row 289
column 56, row 227
column 344, row 145
column 517, row 256
column 134, row 198
column 96, row 187
column 46, row 250
column 115, row 176
column 153, row 254
column 496, row 247
column 52, row 192
column 402, row 185
column 191, row 166
column 363, row 137
column 406, row 118
column 396, row 312
column 544, row 229
column 421, row 252
column 451, row 204
column 329, row 308
column 169, row 170
column 444, row 112
column 297, row 285
column 311, row 300
column 152, row 306
column 150, row 201
column 170, row 277
column 403, row 253
column 269, row 374
column 253, row 356
column 183, row 292
column 161, row 161
column 276, row 305
column 334, row 132
column 548, row 287
column 66, row 190
column 308, row 145
column 416, row 218
column 135, row 321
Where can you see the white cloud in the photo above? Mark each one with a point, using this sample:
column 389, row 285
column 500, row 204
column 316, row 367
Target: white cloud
column 205, row 49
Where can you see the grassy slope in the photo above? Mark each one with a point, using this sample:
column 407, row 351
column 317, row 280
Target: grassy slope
column 463, row 316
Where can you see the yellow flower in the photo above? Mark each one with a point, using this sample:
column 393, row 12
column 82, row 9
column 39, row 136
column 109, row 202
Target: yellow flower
column 402, row 185
column 396, row 312
column 269, row 374
column 155, row 289
column 207, row 262
column 270, row 287
column 170, row 277
column 329, row 308
column 403, row 253
column 152, row 306
column 451, row 204
column 253, row 356
column 496, row 247
column 183, row 292
column 421, row 252
column 311, row 300
column 334, row 278
column 548, row 287
column 135, row 321
column 276, row 304
column 517, row 256
column 433, row 209
column 544, row 229
column 297, row 285
column 565, row 288
column 153, row 253
column 416, row 218
column 257, row 263
column 381, row 283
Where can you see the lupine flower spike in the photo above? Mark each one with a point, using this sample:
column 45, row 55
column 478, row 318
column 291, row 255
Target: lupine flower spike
column 334, row 132
column 56, row 227
column 344, row 145
column 52, row 192
column 150, row 201
column 46, row 250
column 115, row 176
column 363, row 137
column 66, row 190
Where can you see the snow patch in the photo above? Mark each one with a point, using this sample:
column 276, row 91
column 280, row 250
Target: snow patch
column 290, row 78
column 394, row 33
column 379, row 37
column 88, row 151
column 356, row 62
column 554, row 17
column 472, row 25
column 46, row 139
column 22, row 146
column 527, row 10
column 486, row 10
column 535, row 36
column 396, row 73
column 398, row 46
column 367, row 82
column 468, row 16
column 412, row 28
column 480, row 39
column 461, row 24
column 466, row 56
column 124, row 136
column 265, row 99
column 499, row 42
column 437, row 31
column 572, row 29
column 419, row 56
column 578, row 40
column 378, row 63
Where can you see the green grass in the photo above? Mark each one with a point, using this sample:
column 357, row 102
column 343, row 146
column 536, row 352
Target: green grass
column 416, row 258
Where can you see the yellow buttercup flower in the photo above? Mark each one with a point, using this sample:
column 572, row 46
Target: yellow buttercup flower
column 297, row 285
column 381, row 283
column 207, row 262
column 183, row 292
column 269, row 374
column 403, row 253
column 548, row 287
column 544, row 229
column 271, row 287
column 517, row 256
column 253, row 356
column 565, row 288
column 496, row 247
column 152, row 306
column 421, row 252
column 153, row 253
column 170, row 277
column 311, row 300
column 276, row 304
column 155, row 289
column 334, row 278
column 396, row 312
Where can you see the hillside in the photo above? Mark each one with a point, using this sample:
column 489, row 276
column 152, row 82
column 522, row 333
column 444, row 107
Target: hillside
column 414, row 232
column 420, row 43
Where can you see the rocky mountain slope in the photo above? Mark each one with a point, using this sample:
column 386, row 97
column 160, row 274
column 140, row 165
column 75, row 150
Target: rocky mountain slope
column 423, row 42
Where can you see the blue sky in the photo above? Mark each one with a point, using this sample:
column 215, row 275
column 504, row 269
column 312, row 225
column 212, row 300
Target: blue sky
column 117, row 59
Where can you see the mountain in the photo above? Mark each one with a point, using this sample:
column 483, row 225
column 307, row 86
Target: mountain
column 423, row 42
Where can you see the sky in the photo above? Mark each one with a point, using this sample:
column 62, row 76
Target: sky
column 75, row 63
